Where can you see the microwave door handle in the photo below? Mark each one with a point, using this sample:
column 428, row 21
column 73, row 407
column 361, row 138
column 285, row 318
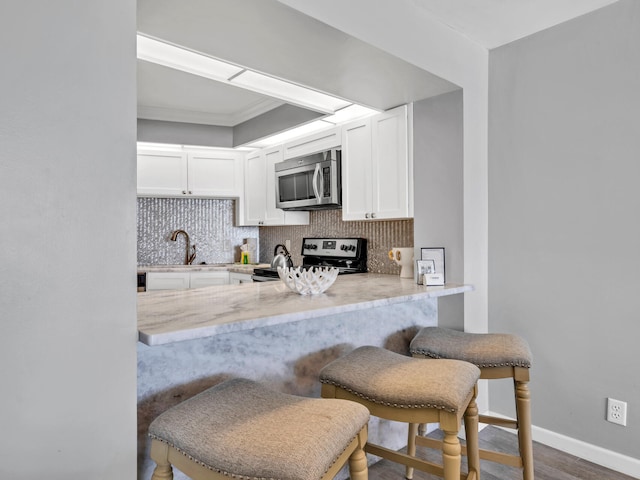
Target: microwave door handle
column 316, row 174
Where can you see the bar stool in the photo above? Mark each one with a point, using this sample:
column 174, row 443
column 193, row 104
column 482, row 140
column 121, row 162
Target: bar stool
column 241, row 429
column 498, row 356
column 405, row 389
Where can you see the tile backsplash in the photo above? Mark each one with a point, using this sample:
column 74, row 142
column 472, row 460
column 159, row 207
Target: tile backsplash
column 209, row 223
column 381, row 236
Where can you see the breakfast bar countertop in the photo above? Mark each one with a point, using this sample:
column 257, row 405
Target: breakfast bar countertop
column 176, row 315
column 204, row 267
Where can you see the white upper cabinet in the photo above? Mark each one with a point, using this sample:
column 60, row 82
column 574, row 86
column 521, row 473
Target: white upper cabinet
column 211, row 173
column 162, row 173
column 357, row 195
column 255, row 189
column 377, row 167
column 215, row 174
column 318, row 142
column 260, row 192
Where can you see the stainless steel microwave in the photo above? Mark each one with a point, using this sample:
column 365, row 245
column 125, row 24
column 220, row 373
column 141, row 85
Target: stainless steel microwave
column 312, row 182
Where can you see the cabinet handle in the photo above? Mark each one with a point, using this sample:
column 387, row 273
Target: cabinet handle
column 373, row 215
column 366, row 215
column 184, row 192
column 189, row 192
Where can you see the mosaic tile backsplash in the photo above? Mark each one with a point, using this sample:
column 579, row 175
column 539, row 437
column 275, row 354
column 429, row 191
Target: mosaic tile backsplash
column 381, row 236
column 209, row 223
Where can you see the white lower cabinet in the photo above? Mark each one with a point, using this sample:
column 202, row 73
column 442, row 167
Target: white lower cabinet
column 167, row 280
column 260, row 192
column 207, row 279
column 377, row 167
column 185, row 280
column 238, row 278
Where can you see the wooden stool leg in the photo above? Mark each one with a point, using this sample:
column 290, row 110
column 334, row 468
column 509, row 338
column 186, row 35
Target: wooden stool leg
column 471, row 431
column 160, row 454
column 411, row 447
column 523, row 414
column 358, row 469
column 451, row 456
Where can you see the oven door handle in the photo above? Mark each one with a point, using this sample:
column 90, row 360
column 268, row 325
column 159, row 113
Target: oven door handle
column 316, row 175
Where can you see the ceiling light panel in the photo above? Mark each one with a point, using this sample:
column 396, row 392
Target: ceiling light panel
column 352, row 112
column 162, row 53
column 289, row 92
column 171, row 56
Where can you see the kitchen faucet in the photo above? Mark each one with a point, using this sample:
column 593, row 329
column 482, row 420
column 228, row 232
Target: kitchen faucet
column 189, row 257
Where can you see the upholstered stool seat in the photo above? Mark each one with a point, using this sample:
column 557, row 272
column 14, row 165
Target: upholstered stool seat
column 498, row 355
column 242, row 429
column 404, row 389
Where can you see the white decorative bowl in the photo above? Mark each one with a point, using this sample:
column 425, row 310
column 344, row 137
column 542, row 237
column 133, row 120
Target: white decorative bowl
column 311, row 281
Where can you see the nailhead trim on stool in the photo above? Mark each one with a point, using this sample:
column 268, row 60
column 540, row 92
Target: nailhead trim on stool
column 405, row 389
column 498, row 355
column 242, row 429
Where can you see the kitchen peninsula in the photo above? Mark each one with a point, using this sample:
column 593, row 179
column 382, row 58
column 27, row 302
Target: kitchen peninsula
column 192, row 339
column 177, row 315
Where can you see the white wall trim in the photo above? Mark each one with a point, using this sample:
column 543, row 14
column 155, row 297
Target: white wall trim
column 587, row 451
column 592, row 453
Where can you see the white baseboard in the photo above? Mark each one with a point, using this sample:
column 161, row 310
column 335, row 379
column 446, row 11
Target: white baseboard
column 592, row 453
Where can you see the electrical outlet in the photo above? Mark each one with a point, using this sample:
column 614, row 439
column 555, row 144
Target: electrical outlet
column 617, row 412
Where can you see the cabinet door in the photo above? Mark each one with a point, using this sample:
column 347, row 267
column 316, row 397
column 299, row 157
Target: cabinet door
column 254, row 189
column 238, row 278
column 390, row 164
column 215, row 174
column 317, row 142
column 162, row 174
column 356, row 170
column 272, row 215
column 167, row 280
column 207, row 279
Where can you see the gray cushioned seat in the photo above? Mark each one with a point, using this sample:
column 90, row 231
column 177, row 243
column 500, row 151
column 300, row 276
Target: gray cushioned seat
column 243, row 429
column 388, row 378
column 482, row 349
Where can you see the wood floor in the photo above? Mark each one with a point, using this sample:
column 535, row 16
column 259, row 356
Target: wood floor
column 550, row 464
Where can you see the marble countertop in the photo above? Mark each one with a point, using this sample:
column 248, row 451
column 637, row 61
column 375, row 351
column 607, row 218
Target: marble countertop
column 214, row 267
column 175, row 315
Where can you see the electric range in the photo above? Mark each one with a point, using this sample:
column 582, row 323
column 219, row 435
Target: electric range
column 348, row 255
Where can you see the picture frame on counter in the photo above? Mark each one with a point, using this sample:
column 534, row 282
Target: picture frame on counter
column 430, row 267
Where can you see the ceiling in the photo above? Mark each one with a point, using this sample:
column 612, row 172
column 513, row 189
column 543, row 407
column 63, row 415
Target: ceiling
column 271, row 37
column 492, row 23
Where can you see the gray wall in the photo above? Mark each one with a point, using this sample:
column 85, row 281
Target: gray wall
column 158, row 131
column 274, row 121
column 438, row 191
column 67, row 249
column 564, row 140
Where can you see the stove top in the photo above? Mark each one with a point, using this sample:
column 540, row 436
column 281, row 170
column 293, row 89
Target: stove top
column 348, row 255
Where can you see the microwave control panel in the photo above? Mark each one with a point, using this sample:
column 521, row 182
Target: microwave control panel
column 332, row 247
